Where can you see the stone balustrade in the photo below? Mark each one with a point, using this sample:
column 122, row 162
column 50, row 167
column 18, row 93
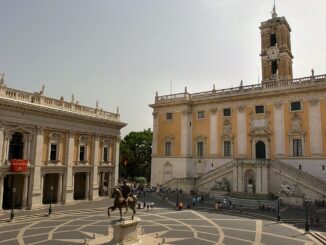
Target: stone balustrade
column 266, row 86
column 38, row 99
column 301, row 176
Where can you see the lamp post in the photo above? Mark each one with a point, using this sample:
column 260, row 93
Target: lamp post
column 144, row 198
column 12, row 214
column 278, row 210
column 51, row 196
column 177, row 201
column 306, row 227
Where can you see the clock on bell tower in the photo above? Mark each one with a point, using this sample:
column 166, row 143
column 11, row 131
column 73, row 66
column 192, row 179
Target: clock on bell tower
column 276, row 55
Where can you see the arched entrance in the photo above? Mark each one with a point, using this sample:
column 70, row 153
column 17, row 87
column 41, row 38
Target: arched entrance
column 260, row 150
column 250, row 181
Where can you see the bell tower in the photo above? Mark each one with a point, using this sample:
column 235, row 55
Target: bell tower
column 276, row 55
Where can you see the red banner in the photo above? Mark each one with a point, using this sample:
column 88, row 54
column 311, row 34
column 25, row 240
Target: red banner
column 19, row 165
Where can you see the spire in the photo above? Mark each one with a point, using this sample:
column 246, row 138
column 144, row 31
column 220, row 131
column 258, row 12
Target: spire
column 274, row 14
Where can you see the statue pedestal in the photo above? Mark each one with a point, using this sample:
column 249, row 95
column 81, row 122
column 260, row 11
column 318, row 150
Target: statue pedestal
column 125, row 232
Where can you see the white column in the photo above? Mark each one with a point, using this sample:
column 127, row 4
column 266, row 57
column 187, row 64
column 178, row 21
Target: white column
column 2, row 142
column 315, row 128
column 59, row 197
column 279, row 129
column 25, row 150
column 186, row 134
column 94, row 175
column 1, row 190
column 155, row 132
column 213, row 133
column 36, row 175
column 265, row 179
column 25, row 190
column 69, row 178
column 116, row 165
column 258, row 179
column 87, row 187
column 242, row 132
column 6, row 148
column 240, row 178
column 102, row 181
column 235, row 179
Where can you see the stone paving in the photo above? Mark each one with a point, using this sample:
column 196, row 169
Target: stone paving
column 77, row 223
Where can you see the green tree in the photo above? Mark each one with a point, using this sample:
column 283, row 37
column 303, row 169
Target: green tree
column 135, row 154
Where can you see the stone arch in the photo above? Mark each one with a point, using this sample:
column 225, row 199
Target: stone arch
column 250, row 181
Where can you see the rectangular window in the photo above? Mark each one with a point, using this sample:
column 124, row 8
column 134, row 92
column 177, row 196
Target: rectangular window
column 260, row 109
column 168, row 148
column 227, row 148
column 297, row 148
column 295, row 106
column 227, row 112
column 105, row 154
column 169, row 116
column 82, row 153
column 201, row 115
column 53, row 152
column 200, row 148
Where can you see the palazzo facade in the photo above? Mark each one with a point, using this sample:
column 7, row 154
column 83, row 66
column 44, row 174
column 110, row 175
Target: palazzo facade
column 71, row 151
column 254, row 137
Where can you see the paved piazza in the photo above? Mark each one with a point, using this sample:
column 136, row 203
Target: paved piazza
column 72, row 224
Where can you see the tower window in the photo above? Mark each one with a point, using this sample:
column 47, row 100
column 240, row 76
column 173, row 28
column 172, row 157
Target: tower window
column 295, row 106
column 273, row 40
column 169, row 116
column 227, row 112
column 274, row 67
column 260, row 109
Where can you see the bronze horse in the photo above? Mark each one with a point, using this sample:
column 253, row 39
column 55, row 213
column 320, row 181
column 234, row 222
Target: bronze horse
column 120, row 202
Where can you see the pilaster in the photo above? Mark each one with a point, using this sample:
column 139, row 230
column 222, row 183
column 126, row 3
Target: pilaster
column 186, row 134
column 1, row 190
column 315, row 128
column 242, row 131
column 94, row 174
column 69, row 181
column 116, row 161
column 213, row 132
column 36, row 175
column 279, row 129
column 2, row 141
column 155, row 132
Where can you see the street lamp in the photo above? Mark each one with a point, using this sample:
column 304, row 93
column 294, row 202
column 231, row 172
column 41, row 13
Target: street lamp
column 12, row 214
column 278, row 210
column 177, row 201
column 144, row 198
column 307, row 202
column 51, row 196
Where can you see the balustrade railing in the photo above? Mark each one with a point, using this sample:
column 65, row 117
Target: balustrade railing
column 274, row 84
column 300, row 175
column 213, row 173
column 36, row 98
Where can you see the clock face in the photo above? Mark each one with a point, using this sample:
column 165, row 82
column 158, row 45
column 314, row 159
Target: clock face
column 273, row 53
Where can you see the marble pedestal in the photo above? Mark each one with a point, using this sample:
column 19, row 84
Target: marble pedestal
column 125, row 232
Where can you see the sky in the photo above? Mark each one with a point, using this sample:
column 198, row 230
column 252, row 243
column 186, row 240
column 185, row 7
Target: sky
column 121, row 52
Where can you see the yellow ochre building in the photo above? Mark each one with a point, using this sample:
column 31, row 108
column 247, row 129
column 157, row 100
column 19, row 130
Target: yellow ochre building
column 261, row 138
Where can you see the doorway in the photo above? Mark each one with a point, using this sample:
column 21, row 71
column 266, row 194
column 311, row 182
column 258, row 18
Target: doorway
column 260, row 150
column 80, row 186
column 13, row 191
column 50, row 188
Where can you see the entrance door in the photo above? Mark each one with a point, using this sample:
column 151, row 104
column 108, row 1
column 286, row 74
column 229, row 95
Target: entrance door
column 50, row 188
column 260, row 150
column 80, row 186
column 13, row 191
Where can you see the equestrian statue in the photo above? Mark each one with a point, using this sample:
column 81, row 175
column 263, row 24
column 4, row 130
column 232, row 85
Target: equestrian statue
column 123, row 198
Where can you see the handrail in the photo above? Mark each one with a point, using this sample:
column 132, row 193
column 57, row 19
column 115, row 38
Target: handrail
column 298, row 174
column 220, row 169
